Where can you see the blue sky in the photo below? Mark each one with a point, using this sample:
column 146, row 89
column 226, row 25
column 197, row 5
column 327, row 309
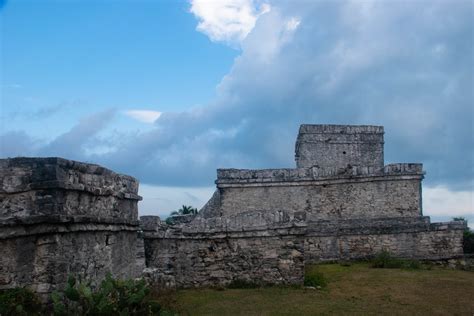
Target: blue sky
column 168, row 91
column 63, row 60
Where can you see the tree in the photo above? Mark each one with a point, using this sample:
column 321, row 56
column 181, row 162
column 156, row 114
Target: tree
column 184, row 210
column 468, row 236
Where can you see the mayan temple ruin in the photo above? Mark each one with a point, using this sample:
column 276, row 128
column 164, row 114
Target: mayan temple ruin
column 61, row 217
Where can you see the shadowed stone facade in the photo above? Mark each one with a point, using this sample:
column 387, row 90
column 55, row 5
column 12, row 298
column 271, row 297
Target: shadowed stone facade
column 341, row 203
column 60, row 217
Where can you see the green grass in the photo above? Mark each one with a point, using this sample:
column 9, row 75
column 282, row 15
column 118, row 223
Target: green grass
column 355, row 289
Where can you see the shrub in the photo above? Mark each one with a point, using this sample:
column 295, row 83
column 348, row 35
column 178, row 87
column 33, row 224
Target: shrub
column 386, row 261
column 468, row 236
column 19, row 301
column 169, row 221
column 468, row 241
column 112, row 297
column 315, row 279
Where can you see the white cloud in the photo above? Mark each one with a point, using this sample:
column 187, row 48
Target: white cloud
column 274, row 32
column 292, row 23
column 229, row 21
column 162, row 200
column 145, row 116
column 441, row 201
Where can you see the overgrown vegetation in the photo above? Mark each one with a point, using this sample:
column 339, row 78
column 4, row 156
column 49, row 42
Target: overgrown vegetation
column 111, row 297
column 385, row 260
column 468, row 237
column 19, row 301
column 468, row 241
column 316, row 280
column 184, row 210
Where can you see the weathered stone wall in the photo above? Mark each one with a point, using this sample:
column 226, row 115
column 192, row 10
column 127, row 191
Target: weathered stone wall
column 273, row 246
column 393, row 191
column 177, row 257
column 60, row 217
column 43, row 261
column 339, row 146
column 402, row 237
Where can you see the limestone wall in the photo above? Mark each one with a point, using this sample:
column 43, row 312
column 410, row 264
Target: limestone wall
column 393, row 191
column 178, row 258
column 402, row 237
column 339, row 146
column 273, row 247
column 60, row 217
column 43, row 261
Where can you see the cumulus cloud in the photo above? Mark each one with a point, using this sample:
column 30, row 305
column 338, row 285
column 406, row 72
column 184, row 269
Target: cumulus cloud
column 404, row 65
column 439, row 200
column 17, row 143
column 144, row 116
column 161, row 200
column 73, row 144
column 229, row 21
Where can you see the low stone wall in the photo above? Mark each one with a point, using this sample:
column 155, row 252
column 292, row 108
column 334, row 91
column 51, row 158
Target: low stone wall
column 273, row 246
column 405, row 238
column 61, row 217
column 177, row 257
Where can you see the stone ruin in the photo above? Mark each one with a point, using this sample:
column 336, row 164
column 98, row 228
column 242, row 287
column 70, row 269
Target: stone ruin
column 60, row 217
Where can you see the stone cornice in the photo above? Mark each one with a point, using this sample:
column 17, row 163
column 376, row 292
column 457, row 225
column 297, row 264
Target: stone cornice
column 24, row 174
column 37, row 225
column 316, row 176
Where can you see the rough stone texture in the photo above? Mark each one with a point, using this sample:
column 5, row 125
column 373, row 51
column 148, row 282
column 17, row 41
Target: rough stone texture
column 54, row 186
column 417, row 239
column 60, row 217
column 43, row 261
column 339, row 146
column 179, row 258
column 330, row 199
column 392, row 191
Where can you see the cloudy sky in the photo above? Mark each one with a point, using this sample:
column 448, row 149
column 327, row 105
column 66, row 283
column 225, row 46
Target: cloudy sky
column 168, row 91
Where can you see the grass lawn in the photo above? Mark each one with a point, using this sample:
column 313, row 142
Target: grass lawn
column 356, row 289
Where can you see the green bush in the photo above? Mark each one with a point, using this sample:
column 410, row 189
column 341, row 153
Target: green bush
column 386, row 261
column 468, row 241
column 315, row 279
column 169, row 221
column 19, row 301
column 112, row 297
column 468, row 236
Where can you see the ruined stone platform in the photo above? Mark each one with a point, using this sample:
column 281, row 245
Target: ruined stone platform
column 340, row 203
column 61, row 217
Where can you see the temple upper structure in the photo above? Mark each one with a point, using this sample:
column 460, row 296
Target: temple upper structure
column 340, row 174
column 339, row 146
